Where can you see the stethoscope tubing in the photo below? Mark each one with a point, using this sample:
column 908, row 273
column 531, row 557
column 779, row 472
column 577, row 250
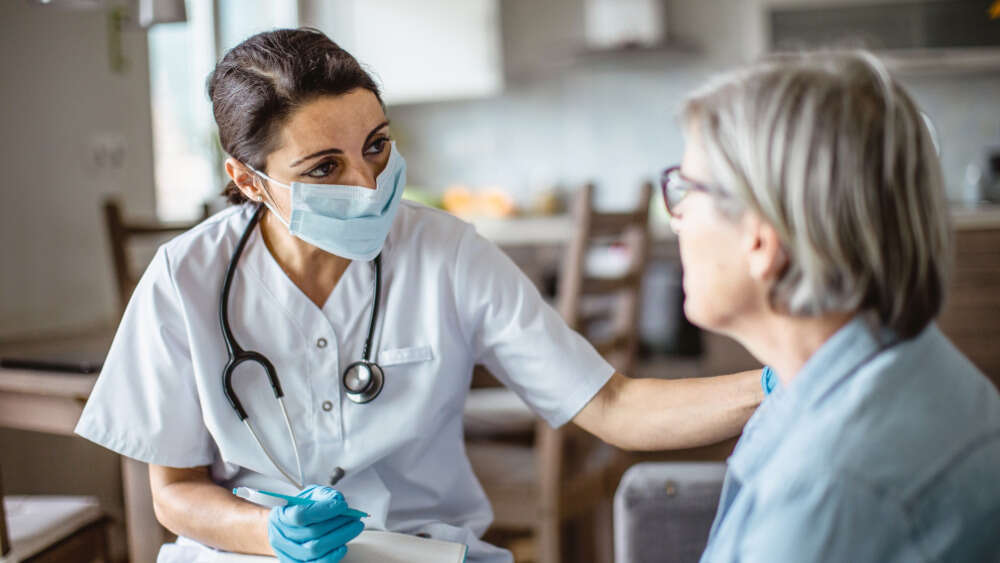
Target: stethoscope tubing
column 238, row 356
column 367, row 350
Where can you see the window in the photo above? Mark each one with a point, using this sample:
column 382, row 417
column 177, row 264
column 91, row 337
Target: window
column 188, row 159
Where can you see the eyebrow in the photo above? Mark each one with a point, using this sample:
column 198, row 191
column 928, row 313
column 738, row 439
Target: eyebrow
column 325, row 152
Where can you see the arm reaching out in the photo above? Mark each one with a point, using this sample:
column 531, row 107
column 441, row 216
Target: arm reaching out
column 661, row 414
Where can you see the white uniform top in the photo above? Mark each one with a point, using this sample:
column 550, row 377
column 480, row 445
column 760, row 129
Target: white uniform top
column 450, row 300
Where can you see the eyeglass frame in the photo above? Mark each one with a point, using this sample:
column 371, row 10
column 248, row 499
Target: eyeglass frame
column 689, row 186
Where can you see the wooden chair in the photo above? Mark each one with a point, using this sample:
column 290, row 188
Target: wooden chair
column 558, row 485
column 52, row 529
column 123, row 234
column 615, row 298
column 125, row 237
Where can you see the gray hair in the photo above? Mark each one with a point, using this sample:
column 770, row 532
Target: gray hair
column 831, row 151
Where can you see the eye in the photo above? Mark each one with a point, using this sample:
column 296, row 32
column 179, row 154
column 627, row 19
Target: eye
column 377, row 146
column 322, row 170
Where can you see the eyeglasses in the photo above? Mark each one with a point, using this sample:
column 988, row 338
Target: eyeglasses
column 675, row 187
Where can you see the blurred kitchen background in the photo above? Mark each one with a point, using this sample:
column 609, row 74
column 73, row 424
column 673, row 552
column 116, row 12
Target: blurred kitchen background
column 524, row 99
column 503, row 109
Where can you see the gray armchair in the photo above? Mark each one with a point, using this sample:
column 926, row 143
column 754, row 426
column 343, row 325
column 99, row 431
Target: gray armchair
column 664, row 511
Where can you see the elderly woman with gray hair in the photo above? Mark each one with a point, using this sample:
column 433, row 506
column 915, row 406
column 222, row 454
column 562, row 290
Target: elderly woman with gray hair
column 813, row 229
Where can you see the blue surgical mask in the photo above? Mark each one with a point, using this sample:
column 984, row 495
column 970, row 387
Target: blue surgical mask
column 349, row 221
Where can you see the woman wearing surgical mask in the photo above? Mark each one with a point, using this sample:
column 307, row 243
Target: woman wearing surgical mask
column 813, row 228
column 369, row 312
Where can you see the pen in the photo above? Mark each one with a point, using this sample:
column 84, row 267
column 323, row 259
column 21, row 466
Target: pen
column 268, row 498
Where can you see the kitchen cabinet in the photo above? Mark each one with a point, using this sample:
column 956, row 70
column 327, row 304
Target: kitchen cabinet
column 540, row 37
column 971, row 315
column 424, row 51
column 910, row 36
column 436, row 50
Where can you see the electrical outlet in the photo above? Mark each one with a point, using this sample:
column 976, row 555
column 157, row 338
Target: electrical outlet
column 107, row 151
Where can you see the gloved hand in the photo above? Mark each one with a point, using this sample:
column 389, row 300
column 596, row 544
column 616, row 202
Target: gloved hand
column 316, row 532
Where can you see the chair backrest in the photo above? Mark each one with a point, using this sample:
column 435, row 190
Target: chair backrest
column 569, row 453
column 664, row 511
column 586, row 301
column 123, row 233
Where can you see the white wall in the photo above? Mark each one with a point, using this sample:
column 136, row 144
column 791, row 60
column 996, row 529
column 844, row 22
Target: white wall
column 60, row 98
column 612, row 119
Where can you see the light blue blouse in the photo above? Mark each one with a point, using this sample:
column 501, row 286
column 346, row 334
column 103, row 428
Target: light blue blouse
column 878, row 450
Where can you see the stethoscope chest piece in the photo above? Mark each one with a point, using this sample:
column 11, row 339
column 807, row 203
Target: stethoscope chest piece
column 363, row 381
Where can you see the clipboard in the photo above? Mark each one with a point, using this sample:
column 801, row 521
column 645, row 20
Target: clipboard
column 370, row 547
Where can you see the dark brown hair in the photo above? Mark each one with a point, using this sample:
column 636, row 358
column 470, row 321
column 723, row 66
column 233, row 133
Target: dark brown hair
column 259, row 83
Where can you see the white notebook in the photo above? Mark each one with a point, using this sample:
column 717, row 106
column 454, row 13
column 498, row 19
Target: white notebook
column 379, row 547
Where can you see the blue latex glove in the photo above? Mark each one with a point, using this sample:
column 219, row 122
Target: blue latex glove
column 316, row 533
column 768, row 380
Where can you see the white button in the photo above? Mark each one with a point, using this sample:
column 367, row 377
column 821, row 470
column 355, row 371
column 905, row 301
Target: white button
column 321, row 343
column 327, row 406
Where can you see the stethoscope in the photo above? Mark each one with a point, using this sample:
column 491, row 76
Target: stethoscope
column 363, row 379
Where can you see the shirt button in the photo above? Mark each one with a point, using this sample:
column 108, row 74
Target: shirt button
column 321, row 343
column 327, row 406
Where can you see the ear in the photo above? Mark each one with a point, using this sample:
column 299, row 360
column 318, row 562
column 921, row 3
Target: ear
column 243, row 177
column 766, row 257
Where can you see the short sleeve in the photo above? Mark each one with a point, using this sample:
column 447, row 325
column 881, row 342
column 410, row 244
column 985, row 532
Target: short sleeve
column 145, row 403
column 520, row 338
column 826, row 519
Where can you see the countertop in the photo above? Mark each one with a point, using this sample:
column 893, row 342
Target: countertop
column 543, row 230
column 985, row 216
column 557, row 229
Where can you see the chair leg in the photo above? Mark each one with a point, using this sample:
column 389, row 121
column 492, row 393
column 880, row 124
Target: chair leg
column 547, row 539
column 145, row 535
column 603, row 532
column 103, row 549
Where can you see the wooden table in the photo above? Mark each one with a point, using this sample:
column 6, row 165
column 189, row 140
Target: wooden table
column 52, row 402
column 547, row 230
